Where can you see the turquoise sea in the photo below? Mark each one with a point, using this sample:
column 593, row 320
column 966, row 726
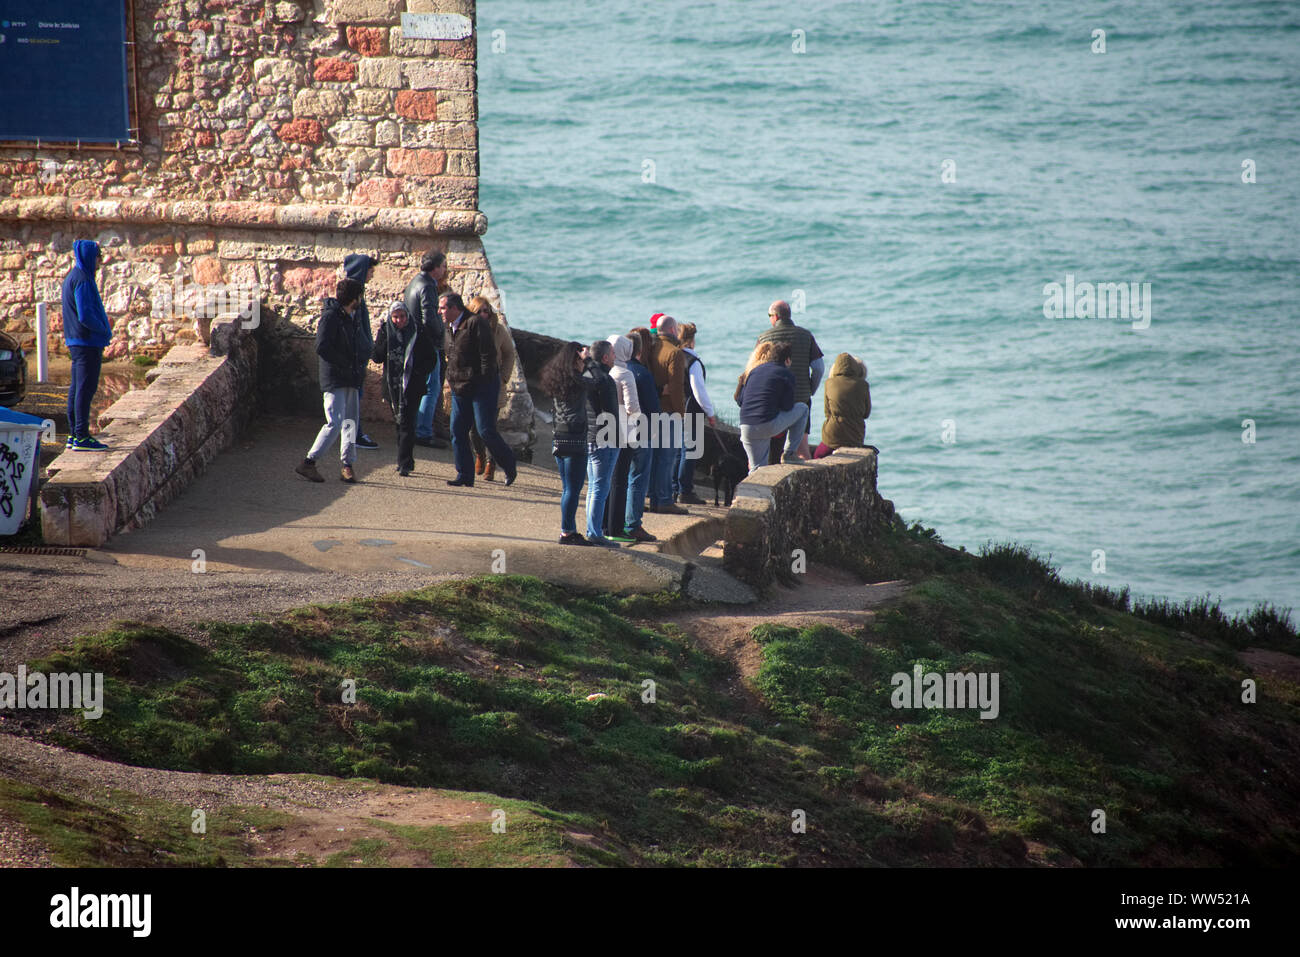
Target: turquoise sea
column 682, row 157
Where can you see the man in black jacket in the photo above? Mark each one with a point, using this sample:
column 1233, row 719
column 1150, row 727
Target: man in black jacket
column 361, row 267
column 421, row 298
column 337, row 340
column 475, row 386
column 406, row 351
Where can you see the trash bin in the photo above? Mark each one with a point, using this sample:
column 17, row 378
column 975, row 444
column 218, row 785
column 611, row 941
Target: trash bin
column 20, row 458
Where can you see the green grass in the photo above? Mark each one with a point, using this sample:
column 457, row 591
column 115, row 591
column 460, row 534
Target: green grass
column 120, row 829
column 483, row 685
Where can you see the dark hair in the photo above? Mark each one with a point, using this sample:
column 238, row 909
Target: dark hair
column 640, row 337
column 780, row 353
column 601, row 348
column 559, row 377
column 348, row 291
column 454, row 299
column 432, row 260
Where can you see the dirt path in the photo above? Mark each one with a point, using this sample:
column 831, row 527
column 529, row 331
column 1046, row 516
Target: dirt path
column 330, row 815
column 46, row 602
column 824, row 595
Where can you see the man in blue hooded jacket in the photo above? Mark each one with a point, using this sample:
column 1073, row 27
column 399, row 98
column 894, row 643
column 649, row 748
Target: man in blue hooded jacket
column 361, row 267
column 87, row 332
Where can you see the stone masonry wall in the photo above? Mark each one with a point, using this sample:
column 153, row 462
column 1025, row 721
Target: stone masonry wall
column 275, row 138
column 781, row 508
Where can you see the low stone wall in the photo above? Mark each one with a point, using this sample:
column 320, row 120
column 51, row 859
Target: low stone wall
column 821, row 506
column 160, row 439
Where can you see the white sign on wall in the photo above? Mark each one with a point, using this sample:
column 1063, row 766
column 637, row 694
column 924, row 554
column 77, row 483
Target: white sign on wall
column 436, row 26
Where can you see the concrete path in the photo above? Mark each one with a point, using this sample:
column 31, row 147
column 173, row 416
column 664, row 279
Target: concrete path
column 251, row 511
column 270, row 540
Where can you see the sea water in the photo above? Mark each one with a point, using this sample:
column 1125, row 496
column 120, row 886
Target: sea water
column 915, row 177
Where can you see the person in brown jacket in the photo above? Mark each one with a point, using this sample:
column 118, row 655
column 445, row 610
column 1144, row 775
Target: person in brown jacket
column 475, row 387
column 668, row 366
column 848, row 404
column 484, row 464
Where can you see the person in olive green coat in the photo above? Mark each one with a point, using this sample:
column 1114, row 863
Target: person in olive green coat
column 848, row 404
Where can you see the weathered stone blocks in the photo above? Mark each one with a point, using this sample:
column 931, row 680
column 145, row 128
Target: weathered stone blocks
column 378, row 191
column 417, row 105
column 364, row 11
column 368, row 41
column 324, row 104
column 381, row 71
column 418, row 162
column 831, row 502
column 335, row 70
column 308, row 132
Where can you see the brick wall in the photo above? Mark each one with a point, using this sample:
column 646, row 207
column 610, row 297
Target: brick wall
column 275, row 138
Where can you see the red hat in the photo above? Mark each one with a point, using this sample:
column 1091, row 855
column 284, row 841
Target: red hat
column 654, row 323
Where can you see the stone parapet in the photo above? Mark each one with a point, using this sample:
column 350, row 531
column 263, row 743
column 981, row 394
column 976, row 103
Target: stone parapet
column 417, row 221
column 824, row 505
column 159, row 439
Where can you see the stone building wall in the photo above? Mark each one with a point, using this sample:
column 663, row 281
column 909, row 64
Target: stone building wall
column 275, row 138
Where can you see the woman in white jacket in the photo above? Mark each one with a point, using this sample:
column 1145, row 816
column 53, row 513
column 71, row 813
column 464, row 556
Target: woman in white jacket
column 632, row 431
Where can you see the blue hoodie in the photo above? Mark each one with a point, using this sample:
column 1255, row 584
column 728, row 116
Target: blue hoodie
column 85, row 323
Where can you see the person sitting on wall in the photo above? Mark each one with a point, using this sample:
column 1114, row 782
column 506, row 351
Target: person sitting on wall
column 848, row 406
column 806, row 364
column 475, row 384
column 87, row 333
column 768, row 408
column 406, row 351
column 336, row 345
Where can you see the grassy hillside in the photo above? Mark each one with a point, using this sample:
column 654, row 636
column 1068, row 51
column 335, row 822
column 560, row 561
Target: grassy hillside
column 483, row 685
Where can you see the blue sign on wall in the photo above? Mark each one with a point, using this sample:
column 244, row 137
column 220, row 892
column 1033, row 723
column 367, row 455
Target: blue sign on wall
column 63, row 71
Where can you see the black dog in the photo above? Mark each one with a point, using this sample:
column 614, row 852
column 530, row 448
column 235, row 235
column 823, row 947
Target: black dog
column 727, row 472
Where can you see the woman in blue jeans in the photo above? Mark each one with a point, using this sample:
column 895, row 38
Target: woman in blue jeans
column 567, row 379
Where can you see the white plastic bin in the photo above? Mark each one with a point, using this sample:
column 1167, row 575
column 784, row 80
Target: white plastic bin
column 20, row 457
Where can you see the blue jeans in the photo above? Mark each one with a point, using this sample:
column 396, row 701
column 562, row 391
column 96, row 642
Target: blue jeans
column 573, row 469
column 684, row 474
column 755, row 438
column 638, row 477
column 86, row 361
column 663, row 467
column 600, row 472
column 429, row 404
column 479, row 409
